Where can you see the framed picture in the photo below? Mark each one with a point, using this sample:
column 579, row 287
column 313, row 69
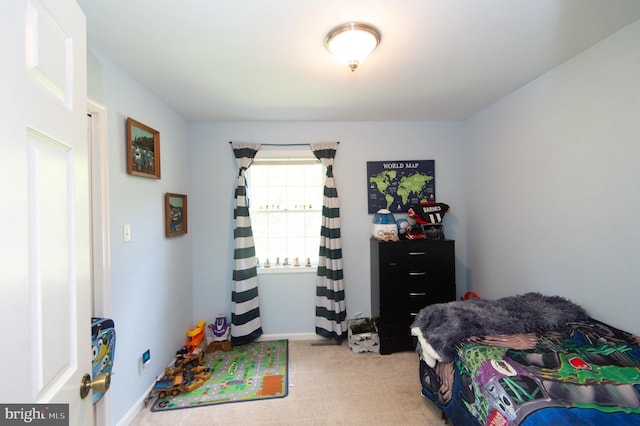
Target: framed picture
column 398, row 185
column 175, row 214
column 143, row 150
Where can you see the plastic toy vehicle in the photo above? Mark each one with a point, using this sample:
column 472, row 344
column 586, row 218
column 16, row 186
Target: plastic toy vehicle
column 165, row 386
column 201, row 372
column 188, row 360
column 186, row 375
column 162, row 387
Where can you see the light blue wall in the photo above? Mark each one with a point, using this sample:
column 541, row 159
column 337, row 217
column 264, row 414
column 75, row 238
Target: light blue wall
column 554, row 187
column 151, row 293
column 287, row 303
column 544, row 188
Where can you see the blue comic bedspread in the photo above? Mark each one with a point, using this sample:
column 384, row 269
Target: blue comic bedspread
column 587, row 373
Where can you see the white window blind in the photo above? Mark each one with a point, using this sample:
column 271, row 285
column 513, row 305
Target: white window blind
column 285, row 203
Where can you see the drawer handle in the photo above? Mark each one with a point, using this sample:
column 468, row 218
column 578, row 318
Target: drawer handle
column 417, row 294
column 413, row 314
column 417, row 273
column 417, row 253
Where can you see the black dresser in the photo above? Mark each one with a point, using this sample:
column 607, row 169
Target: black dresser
column 406, row 276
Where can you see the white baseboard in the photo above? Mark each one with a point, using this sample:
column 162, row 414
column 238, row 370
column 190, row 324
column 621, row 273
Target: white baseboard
column 136, row 408
column 139, row 404
column 290, row 336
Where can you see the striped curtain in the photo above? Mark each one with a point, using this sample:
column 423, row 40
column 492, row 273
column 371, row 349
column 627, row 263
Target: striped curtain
column 330, row 304
column 246, row 324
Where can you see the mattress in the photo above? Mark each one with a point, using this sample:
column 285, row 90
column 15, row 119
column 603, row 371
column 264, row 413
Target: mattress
column 584, row 372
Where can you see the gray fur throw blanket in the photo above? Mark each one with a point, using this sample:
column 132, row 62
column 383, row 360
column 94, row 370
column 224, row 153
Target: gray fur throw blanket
column 444, row 325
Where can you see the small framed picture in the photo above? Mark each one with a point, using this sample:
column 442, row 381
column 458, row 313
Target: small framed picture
column 175, row 213
column 143, row 150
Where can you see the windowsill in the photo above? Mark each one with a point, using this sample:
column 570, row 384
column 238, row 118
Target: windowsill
column 287, row 270
column 263, row 211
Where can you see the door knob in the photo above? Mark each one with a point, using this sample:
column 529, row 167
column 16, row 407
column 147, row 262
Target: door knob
column 100, row 384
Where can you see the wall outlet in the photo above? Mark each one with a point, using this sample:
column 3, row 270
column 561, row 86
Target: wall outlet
column 144, row 361
column 146, row 357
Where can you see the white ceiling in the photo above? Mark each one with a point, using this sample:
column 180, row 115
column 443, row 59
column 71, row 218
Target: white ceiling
column 264, row 60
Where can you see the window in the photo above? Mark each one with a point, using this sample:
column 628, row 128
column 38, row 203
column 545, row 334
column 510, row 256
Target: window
column 285, row 204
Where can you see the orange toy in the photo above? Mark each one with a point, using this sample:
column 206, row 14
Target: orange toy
column 195, row 335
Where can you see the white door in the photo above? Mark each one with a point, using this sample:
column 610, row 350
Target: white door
column 45, row 249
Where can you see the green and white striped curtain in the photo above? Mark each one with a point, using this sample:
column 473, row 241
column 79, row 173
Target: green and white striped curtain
column 246, row 325
column 330, row 303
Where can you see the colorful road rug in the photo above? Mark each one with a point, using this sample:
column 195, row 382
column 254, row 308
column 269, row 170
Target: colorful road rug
column 249, row 372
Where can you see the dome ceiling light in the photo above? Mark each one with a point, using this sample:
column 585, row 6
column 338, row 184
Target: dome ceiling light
column 352, row 42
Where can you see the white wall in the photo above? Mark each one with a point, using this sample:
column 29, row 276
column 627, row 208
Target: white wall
column 287, row 302
column 151, row 294
column 554, row 185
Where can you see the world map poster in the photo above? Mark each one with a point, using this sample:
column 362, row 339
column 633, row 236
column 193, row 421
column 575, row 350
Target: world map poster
column 398, row 185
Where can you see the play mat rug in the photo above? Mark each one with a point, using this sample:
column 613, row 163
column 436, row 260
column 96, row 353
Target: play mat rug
column 250, row 372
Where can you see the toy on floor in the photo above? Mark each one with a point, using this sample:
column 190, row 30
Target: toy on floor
column 220, row 329
column 185, row 359
column 196, row 337
column 186, row 374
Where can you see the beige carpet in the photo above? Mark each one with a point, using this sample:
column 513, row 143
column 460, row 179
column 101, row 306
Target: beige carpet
column 328, row 385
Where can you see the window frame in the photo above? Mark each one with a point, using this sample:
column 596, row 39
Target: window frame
column 286, row 157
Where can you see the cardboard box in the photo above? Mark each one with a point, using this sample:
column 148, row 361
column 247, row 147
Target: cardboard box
column 362, row 335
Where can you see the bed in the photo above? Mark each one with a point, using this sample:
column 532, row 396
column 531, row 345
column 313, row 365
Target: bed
column 527, row 360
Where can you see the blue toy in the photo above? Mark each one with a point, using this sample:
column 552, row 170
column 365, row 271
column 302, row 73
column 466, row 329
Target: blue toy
column 103, row 347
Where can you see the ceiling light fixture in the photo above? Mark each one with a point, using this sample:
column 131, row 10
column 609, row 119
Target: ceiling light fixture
column 352, row 42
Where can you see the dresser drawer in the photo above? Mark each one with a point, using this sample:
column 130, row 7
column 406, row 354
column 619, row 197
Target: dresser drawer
column 422, row 261
column 434, row 289
column 395, row 274
column 395, row 303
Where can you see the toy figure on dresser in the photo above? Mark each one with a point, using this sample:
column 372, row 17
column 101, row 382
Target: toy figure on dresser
column 220, row 330
column 403, row 226
column 384, row 226
column 425, row 221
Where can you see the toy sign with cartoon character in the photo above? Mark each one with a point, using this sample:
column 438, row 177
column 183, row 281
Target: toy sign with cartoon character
column 103, row 347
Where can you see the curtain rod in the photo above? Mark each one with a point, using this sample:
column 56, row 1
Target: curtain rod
column 286, row 144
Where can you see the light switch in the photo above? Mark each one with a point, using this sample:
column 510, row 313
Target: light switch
column 126, row 233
